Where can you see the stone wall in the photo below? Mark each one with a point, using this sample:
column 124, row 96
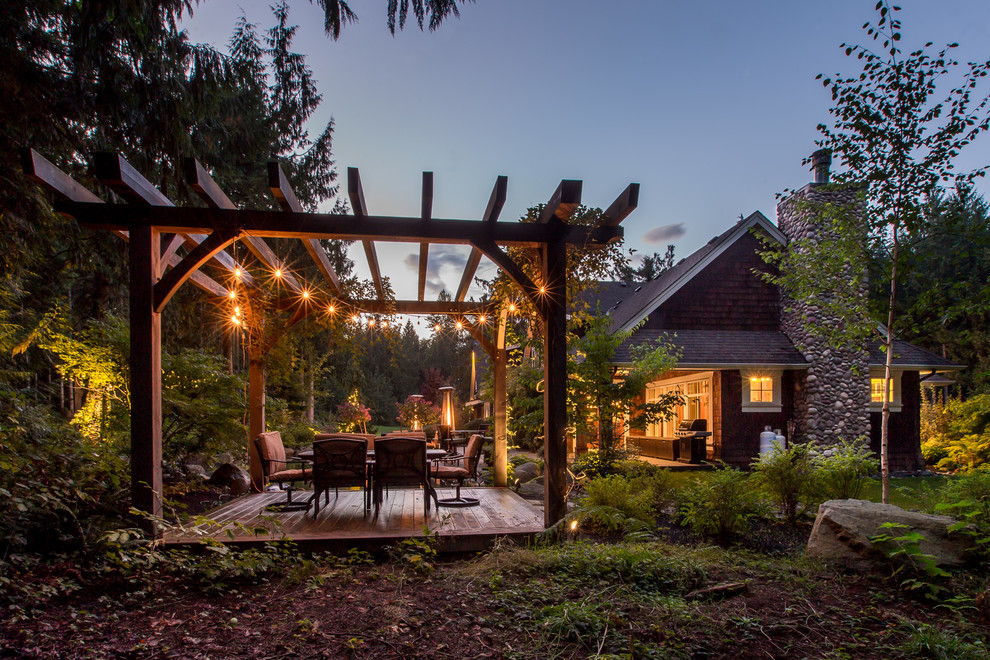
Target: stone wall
column 831, row 399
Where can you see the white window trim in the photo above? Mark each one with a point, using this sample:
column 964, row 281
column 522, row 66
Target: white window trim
column 761, row 406
column 679, row 381
column 895, row 390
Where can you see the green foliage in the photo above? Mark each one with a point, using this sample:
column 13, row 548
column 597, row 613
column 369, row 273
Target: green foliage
column 915, row 570
column 58, row 491
column 789, row 476
column 417, row 552
column 968, row 499
column 619, row 492
column 524, row 397
column 721, row 504
column 959, row 434
column 202, row 406
column 599, row 397
column 928, row 641
column 843, row 469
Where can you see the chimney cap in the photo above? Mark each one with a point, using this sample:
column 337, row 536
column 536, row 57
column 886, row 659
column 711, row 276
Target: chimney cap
column 821, row 160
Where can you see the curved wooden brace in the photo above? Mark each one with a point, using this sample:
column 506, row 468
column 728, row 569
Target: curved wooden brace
column 478, row 335
column 511, row 268
column 199, row 255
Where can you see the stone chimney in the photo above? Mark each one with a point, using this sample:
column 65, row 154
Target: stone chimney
column 832, row 398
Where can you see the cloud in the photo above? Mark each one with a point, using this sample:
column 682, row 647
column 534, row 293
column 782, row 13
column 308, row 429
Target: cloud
column 440, row 257
column 664, row 233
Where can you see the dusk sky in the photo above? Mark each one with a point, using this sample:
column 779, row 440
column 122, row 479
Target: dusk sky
column 709, row 106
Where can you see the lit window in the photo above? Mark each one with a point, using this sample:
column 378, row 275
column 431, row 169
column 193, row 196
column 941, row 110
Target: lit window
column 876, row 390
column 761, row 389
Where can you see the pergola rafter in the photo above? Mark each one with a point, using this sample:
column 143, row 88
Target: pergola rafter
column 208, row 231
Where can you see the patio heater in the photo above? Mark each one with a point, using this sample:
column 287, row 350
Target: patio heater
column 418, row 399
column 446, row 427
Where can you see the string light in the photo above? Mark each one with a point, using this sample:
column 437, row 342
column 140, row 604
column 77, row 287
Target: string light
column 278, row 272
column 512, row 308
column 543, row 290
column 481, row 319
column 305, row 294
column 355, row 318
column 459, row 325
column 237, row 272
column 330, row 309
column 233, row 294
column 371, row 323
column 436, row 328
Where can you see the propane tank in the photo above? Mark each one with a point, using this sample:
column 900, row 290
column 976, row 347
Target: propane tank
column 767, row 438
column 780, row 439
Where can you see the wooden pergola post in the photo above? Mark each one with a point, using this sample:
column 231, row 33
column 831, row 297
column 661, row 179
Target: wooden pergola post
column 256, row 413
column 500, row 360
column 146, row 373
column 554, row 310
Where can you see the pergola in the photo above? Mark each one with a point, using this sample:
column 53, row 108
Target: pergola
column 201, row 236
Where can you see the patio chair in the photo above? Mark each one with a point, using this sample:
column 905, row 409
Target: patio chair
column 401, row 462
column 339, row 462
column 467, row 470
column 369, row 437
column 275, row 468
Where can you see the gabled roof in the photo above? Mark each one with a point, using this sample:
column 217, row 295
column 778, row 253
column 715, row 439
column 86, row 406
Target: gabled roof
column 909, row 356
column 643, row 299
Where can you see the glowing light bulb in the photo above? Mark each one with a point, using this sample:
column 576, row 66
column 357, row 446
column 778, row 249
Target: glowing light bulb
column 384, row 324
column 237, row 273
column 235, row 320
column 305, row 294
column 371, row 322
column 237, row 311
column 330, row 309
column 233, row 295
column 512, row 308
column 278, row 272
column 459, row 325
column 436, row 328
column 481, row 319
column 355, row 318
column 543, row 290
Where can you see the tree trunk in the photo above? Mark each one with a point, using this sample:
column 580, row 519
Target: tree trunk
column 889, row 345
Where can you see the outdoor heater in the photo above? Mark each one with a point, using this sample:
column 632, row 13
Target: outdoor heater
column 416, row 424
column 446, row 416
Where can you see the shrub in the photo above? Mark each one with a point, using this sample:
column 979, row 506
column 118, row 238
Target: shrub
column 623, row 494
column 643, row 476
column 788, row 476
column 720, row 504
column 968, row 498
column 844, row 469
column 958, row 435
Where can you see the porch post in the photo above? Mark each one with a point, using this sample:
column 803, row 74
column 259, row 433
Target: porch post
column 555, row 375
column 499, row 359
column 146, row 374
column 256, row 412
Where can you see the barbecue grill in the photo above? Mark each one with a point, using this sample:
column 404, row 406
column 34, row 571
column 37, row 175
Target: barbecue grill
column 692, row 437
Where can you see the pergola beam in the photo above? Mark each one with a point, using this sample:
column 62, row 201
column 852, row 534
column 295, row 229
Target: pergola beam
column 623, row 205
column 40, row 170
column 355, row 191
column 563, row 202
column 281, row 189
column 211, row 193
column 334, row 226
column 424, row 248
column 114, row 171
column 494, row 209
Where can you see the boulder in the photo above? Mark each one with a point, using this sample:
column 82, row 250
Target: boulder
column 230, row 476
column 531, row 491
column 842, row 532
column 526, row 472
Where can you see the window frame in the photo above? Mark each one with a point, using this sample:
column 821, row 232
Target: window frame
column 895, row 390
column 776, row 382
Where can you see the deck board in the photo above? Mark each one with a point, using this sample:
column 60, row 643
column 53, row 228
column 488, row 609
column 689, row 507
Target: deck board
column 342, row 523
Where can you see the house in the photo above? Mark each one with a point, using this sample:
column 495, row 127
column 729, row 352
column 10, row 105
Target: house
column 746, row 361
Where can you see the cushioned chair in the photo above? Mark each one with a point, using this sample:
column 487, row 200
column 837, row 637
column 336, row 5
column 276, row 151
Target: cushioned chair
column 275, row 468
column 401, row 462
column 339, row 463
column 369, row 437
column 460, row 468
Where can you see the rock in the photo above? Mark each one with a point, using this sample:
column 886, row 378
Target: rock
column 230, row 476
column 526, row 472
column 225, row 457
column 531, row 491
column 843, row 527
column 195, row 471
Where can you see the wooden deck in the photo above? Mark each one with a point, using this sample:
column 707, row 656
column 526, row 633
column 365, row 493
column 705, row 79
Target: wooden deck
column 343, row 524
